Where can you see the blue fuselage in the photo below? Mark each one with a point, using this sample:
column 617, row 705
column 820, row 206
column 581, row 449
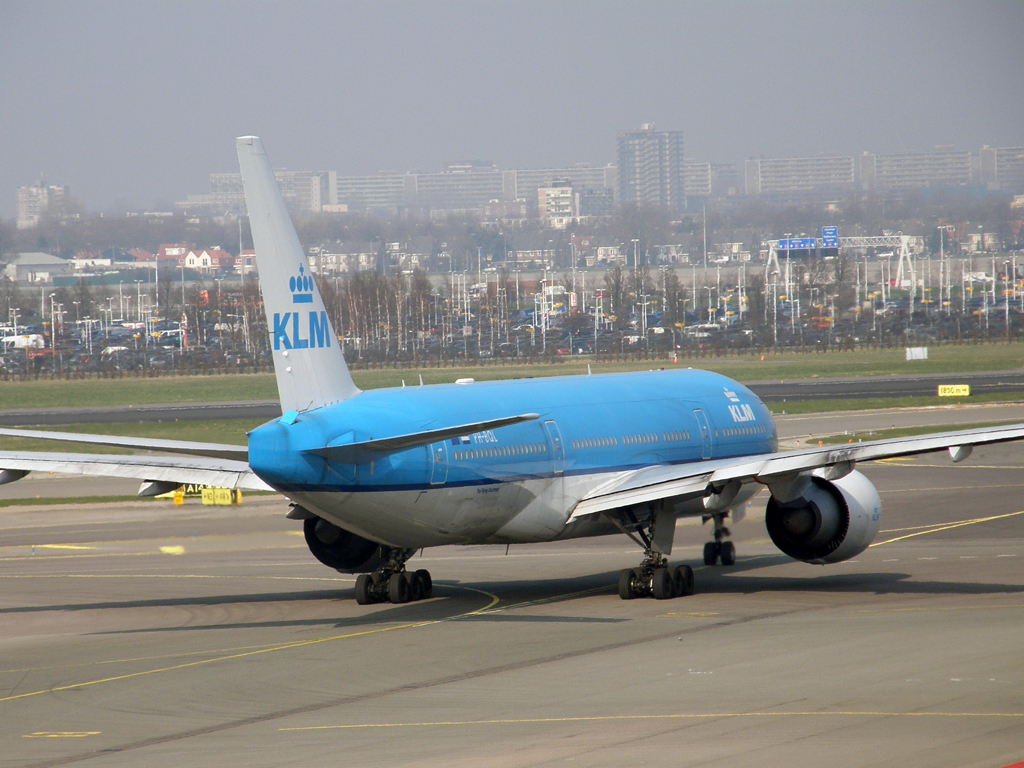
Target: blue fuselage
column 588, row 426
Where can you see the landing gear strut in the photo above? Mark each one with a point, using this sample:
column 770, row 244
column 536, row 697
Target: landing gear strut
column 718, row 549
column 392, row 583
column 655, row 577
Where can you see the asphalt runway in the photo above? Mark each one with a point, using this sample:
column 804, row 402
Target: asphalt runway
column 143, row 634
column 862, row 387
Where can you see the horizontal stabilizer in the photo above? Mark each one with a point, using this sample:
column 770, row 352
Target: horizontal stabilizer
column 219, row 473
column 213, row 450
column 345, row 451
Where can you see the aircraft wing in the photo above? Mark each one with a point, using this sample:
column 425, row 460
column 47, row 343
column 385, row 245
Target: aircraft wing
column 213, row 450
column 156, row 472
column 695, row 479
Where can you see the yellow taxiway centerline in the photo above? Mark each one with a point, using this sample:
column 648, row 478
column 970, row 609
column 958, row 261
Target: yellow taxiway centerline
column 282, row 647
column 949, row 526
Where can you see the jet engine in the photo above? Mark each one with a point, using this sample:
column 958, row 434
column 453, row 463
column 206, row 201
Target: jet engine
column 827, row 521
column 339, row 549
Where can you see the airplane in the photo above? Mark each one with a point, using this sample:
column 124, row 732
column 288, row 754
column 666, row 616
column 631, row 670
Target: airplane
column 376, row 476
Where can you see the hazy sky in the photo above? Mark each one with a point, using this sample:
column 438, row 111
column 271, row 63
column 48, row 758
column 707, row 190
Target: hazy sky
column 134, row 103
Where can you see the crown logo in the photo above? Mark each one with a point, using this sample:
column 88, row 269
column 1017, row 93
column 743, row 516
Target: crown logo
column 301, row 287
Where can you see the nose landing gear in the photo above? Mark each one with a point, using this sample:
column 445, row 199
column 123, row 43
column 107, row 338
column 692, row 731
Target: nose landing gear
column 392, row 583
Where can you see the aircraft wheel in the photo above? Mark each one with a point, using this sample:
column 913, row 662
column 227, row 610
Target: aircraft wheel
column 677, row 582
column 426, row 583
column 662, row 584
column 363, row 586
column 398, row 588
column 728, row 553
column 415, row 586
column 626, row 584
column 683, row 576
column 711, row 553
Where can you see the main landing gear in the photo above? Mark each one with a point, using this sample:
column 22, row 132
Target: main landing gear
column 655, row 577
column 718, row 549
column 392, row 583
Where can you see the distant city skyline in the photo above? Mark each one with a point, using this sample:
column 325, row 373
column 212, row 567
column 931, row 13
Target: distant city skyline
column 133, row 105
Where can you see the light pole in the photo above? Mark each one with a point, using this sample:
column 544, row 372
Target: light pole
column 1006, row 297
column 53, row 325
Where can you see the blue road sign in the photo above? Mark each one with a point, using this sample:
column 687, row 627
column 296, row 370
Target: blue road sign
column 830, row 237
column 797, row 244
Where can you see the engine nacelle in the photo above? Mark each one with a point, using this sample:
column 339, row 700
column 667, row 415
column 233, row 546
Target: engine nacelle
column 339, row 549
column 829, row 522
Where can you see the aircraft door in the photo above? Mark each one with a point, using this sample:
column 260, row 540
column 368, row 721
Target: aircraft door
column 705, row 433
column 555, row 444
column 439, row 463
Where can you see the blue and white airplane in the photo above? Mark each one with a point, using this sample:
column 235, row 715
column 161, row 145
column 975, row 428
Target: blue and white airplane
column 376, row 476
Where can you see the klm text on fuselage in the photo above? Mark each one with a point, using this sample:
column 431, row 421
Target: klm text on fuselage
column 289, row 327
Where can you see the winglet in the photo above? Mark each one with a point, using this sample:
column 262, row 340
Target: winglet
column 308, row 358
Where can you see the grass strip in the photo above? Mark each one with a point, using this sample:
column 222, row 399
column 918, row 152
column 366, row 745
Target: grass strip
column 884, row 403
column 872, row 435
column 50, row 501
column 57, row 393
column 227, row 431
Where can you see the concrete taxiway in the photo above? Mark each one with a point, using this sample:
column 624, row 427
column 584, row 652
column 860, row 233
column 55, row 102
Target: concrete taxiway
column 144, row 634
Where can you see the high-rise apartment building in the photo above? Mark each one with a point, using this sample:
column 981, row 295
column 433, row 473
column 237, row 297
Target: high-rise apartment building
column 463, row 186
column 525, row 183
column 558, row 205
column 945, row 167
column 1002, row 168
column 799, row 175
column 34, row 200
column 651, row 167
column 303, row 192
column 697, row 179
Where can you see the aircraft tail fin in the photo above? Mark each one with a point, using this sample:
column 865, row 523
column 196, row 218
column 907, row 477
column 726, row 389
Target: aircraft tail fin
column 308, row 358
